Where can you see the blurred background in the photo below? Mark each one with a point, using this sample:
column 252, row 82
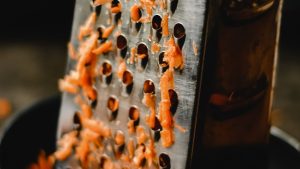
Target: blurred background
column 33, row 38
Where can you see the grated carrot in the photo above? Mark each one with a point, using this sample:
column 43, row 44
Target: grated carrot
column 116, row 9
column 121, row 69
column 71, row 51
column 135, row 13
column 165, row 25
column 195, row 49
column 173, row 55
column 101, row 2
column 167, row 137
column 107, row 31
column 5, row 108
column 88, row 27
column 155, row 47
column 103, row 48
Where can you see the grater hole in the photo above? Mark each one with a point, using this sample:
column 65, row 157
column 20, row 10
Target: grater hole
column 135, row 13
column 121, row 42
column 134, row 114
column 142, row 51
column 173, row 5
column 161, row 58
column 122, row 45
column 106, row 71
column 91, row 93
column 119, row 138
column 76, row 118
column 163, row 64
column 157, row 125
column 115, row 3
column 138, row 26
column 143, row 162
column 120, row 150
column 127, row 78
column 144, row 61
column 98, row 10
column 94, row 103
column 174, row 100
column 181, row 41
column 149, row 87
column 100, row 31
column 104, row 159
column 118, row 17
column 115, row 6
column 164, row 161
column 113, row 106
column 106, row 68
column 156, row 25
column 157, row 136
column 179, row 30
column 77, row 121
column 158, row 35
column 156, row 22
column 179, row 33
column 127, row 81
column 142, row 147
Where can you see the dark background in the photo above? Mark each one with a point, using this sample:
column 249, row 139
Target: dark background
column 33, row 38
column 36, row 20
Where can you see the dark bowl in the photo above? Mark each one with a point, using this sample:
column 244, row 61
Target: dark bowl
column 33, row 130
column 28, row 132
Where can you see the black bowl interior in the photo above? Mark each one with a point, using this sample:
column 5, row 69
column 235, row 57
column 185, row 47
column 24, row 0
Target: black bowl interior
column 28, row 133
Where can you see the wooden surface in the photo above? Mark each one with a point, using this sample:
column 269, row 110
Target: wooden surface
column 240, row 53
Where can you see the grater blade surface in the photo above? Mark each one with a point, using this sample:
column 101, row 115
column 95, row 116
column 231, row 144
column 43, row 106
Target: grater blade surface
column 186, row 24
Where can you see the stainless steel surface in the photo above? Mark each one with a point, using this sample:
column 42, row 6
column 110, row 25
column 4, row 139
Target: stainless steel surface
column 191, row 14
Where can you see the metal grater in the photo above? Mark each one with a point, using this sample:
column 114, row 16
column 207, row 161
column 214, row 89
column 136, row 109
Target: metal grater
column 186, row 24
